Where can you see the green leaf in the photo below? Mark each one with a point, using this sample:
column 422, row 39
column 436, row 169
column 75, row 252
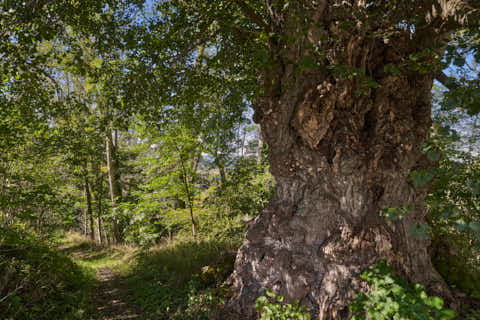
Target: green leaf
column 448, row 314
column 421, row 177
column 475, row 227
column 270, row 293
column 435, row 302
column 433, row 155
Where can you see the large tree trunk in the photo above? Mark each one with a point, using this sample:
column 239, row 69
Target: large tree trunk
column 340, row 152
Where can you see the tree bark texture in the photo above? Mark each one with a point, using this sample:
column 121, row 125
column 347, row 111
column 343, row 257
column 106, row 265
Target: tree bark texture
column 340, row 153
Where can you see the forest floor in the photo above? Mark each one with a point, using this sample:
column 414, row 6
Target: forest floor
column 111, row 296
column 163, row 282
column 113, row 301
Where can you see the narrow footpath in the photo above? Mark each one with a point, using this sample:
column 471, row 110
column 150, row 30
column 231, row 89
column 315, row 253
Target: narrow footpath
column 113, row 301
column 110, row 296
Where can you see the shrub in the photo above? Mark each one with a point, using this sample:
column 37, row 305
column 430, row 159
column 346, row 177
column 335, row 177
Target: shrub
column 392, row 297
column 37, row 282
column 272, row 307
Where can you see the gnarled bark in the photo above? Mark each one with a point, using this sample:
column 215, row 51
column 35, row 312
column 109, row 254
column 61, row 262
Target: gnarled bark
column 340, row 153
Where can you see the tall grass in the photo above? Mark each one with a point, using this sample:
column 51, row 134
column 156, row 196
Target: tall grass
column 167, row 278
column 93, row 256
column 38, row 282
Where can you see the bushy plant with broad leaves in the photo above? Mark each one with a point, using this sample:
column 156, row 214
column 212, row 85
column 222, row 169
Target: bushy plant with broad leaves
column 201, row 305
column 392, row 297
column 248, row 189
column 273, row 307
column 454, row 218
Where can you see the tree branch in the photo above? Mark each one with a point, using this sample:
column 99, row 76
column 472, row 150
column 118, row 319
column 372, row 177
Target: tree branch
column 453, row 14
column 447, row 81
column 249, row 12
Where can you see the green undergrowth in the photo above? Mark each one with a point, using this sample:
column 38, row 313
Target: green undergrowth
column 39, row 282
column 92, row 257
column 183, row 280
column 180, row 279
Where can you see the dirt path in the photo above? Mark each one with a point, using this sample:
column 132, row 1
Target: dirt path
column 112, row 299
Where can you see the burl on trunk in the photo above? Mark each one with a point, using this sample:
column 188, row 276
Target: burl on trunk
column 341, row 149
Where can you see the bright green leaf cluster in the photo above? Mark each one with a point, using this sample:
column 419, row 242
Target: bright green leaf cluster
column 273, row 307
column 392, row 297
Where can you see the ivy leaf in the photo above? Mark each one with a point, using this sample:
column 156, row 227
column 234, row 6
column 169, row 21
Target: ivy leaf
column 421, row 177
column 433, row 155
column 475, row 227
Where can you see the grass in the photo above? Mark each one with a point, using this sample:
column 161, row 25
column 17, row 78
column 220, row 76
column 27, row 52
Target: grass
column 169, row 282
column 167, row 279
column 92, row 256
column 61, row 281
column 38, row 282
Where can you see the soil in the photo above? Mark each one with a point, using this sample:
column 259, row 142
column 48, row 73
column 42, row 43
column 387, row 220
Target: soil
column 113, row 300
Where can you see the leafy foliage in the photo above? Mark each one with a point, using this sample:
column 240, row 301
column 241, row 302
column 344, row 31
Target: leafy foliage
column 273, row 307
column 167, row 279
column 38, row 282
column 249, row 188
column 392, row 297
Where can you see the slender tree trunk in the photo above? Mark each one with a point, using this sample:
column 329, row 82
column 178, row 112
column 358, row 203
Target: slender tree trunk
column 99, row 230
column 189, row 195
column 218, row 162
column 194, row 223
column 243, row 142
column 221, row 169
column 223, row 176
column 260, row 148
column 89, row 211
column 196, row 161
column 340, row 153
column 85, row 217
column 3, row 212
column 115, row 189
column 99, row 197
column 106, row 234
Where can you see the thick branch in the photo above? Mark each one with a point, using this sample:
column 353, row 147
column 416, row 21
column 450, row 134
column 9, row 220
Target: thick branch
column 447, row 81
column 249, row 12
